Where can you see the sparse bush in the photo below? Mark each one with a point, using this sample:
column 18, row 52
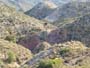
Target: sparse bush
column 51, row 63
column 11, row 38
column 57, row 62
column 63, row 51
column 11, row 57
column 44, row 64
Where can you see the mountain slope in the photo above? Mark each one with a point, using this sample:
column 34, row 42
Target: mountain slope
column 69, row 10
column 69, row 52
column 20, row 5
column 42, row 10
column 78, row 30
column 16, row 26
column 16, row 22
column 12, row 55
column 25, row 5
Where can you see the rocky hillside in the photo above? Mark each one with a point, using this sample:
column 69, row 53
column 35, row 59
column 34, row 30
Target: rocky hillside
column 45, row 44
column 69, row 55
column 20, row 28
column 69, row 11
column 78, row 30
column 14, row 23
column 41, row 10
column 13, row 55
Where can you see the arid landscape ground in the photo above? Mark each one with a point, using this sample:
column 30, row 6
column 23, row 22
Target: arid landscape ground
column 44, row 34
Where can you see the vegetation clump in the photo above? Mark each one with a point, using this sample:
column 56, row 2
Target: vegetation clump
column 11, row 38
column 11, row 57
column 63, row 51
column 50, row 63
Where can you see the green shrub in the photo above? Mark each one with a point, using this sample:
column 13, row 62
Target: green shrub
column 63, row 51
column 11, row 38
column 11, row 57
column 51, row 63
column 43, row 64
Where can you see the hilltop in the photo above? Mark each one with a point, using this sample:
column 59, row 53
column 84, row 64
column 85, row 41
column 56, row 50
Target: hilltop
column 69, row 11
column 42, row 9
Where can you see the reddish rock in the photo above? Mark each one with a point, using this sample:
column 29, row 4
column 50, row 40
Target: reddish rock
column 30, row 42
column 57, row 36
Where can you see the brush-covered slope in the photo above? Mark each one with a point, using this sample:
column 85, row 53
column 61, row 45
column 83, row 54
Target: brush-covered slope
column 78, row 30
column 71, row 54
column 69, row 10
column 13, row 22
column 42, row 10
column 12, row 55
column 16, row 26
